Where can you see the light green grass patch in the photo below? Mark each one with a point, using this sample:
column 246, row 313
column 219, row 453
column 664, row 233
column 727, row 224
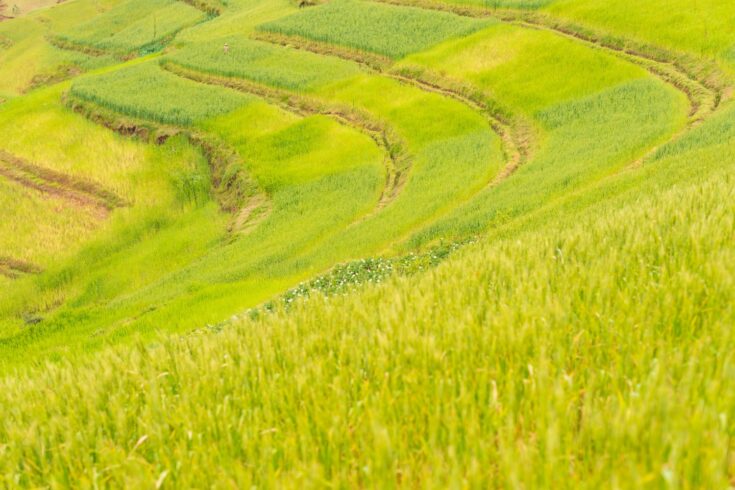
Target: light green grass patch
column 322, row 177
column 455, row 153
column 81, row 148
column 29, row 59
column 585, row 140
column 525, row 68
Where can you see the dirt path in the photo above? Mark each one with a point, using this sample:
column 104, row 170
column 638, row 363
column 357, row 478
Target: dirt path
column 396, row 159
column 62, row 186
column 13, row 268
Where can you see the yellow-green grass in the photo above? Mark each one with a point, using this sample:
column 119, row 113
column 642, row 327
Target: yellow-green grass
column 596, row 115
column 585, row 140
column 313, row 202
column 136, row 247
column 584, row 342
column 701, row 151
column 527, row 69
column 702, row 28
column 38, row 228
column 29, row 59
column 383, row 29
column 436, row 186
column 538, row 361
column 495, row 4
column 23, row 7
column 315, row 186
column 454, row 154
column 453, row 157
column 81, row 148
column 162, row 185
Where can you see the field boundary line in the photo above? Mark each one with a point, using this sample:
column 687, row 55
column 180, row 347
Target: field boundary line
column 14, row 268
column 705, row 86
column 517, row 136
column 204, row 6
column 63, row 186
column 233, row 188
column 397, row 161
column 371, row 61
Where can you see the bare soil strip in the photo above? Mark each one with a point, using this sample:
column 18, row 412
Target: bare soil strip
column 13, row 268
column 232, row 187
column 68, row 45
column 71, row 189
column 371, row 61
column 397, row 161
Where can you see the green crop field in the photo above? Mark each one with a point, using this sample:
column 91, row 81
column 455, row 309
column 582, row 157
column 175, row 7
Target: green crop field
column 367, row 244
column 133, row 24
column 386, row 30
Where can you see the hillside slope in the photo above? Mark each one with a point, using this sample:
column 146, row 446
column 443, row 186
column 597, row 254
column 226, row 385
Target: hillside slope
column 201, row 198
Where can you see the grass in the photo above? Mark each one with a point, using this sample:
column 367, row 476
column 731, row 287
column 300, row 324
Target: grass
column 264, row 63
column 262, row 312
column 699, row 28
column 488, row 372
column 240, row 18
column 526, row 69
column 609, row 131
column 29, row 59
column 145, row 91
column 382, row 29
column 81, row 148
column 134, row 25
column 40, row 230
column 307, row 177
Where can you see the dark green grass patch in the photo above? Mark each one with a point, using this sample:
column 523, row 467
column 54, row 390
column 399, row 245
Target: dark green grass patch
column 270, row 65
column 384, row 29
column 147, row 92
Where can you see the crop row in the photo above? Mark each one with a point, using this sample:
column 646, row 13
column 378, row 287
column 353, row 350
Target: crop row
column 145, row 91
column 384, row 29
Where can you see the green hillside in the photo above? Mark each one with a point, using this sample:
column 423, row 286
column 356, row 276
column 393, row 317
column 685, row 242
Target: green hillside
column 396, row 243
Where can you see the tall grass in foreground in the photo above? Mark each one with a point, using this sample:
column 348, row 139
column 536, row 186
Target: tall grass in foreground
column 596, row 356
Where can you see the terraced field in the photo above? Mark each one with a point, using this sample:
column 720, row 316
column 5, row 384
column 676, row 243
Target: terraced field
column 395, row 243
